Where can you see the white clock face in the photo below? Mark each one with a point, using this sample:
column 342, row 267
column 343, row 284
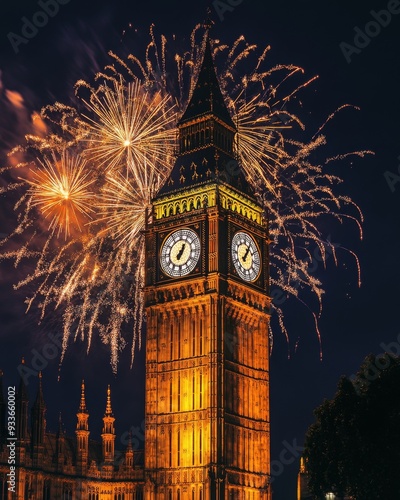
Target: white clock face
column 246, row 256
column 180, row 252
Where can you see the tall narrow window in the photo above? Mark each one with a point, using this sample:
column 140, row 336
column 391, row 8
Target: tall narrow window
column 170, row 394
column 179, row 449
column 46, row 490
column 193, row 391
column 171, row 342
column 193, row 445
column 201, row 446
column 170, row 447
column 201, row 338
column 201, row 391
column 179, row 393
column 179, row 338
column 193, row 338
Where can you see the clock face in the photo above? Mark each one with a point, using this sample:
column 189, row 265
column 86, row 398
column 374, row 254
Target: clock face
column 246, row 256
column 180, row 252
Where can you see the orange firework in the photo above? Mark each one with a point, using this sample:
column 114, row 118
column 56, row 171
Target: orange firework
column 60, row 188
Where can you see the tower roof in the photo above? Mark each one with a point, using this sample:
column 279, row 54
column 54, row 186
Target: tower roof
column 206, row 136
column 207, row 97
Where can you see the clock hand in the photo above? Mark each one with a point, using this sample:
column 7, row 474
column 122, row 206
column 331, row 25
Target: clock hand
column 246, row 254
column 179, row 254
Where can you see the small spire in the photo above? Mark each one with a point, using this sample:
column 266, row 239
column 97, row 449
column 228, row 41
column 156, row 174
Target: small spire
column 22, row 393
column 82, row 406
column 39, row 397
column 108, row 412
column 60, row 426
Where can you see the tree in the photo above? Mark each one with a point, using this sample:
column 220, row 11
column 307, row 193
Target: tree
column 353, row 447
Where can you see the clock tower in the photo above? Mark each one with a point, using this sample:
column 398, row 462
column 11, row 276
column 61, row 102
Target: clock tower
column 207, row 307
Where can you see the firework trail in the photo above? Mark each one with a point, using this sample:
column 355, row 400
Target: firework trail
column 86, row 188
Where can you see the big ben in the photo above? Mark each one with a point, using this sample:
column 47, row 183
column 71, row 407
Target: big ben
column 207, row 308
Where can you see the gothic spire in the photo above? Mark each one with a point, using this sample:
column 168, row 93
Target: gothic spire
column 22, row 391
column 60, row 426
column 39, row 401
column 108, row 412
column 38, row 423
column 207, row 97
column 21, row 410
column 82, row 406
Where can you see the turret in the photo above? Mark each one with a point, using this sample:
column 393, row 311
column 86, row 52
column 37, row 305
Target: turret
column 82, row 434
column 129, row 456
column 38, row 424
column 108, row 434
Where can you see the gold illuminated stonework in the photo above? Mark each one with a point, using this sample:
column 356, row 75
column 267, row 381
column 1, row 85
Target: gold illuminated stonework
column 207, row 344
column 198, row 197
column 207, row 434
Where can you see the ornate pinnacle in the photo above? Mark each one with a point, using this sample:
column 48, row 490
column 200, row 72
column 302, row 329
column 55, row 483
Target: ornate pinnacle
column 108, row 406
column 82, row 406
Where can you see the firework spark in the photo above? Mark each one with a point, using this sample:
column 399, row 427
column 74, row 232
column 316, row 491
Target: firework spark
column 61, row 190
column 125, row 131
column 129, row 127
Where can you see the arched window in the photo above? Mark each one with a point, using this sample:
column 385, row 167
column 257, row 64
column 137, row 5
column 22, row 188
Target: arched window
column 67, row 492
column 46, row 490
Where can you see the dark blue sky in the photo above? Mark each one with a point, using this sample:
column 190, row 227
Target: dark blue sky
column 355, row 322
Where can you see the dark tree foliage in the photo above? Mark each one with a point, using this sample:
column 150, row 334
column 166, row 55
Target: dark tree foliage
column 353, row 448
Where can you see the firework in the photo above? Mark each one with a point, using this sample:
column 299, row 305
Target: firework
column 122, row 139
column 61, row 190
column 129, row 128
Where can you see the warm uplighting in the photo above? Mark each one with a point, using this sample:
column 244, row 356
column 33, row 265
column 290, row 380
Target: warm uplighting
column 121, row 150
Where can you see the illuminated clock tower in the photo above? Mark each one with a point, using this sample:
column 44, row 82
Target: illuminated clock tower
column 207, row 306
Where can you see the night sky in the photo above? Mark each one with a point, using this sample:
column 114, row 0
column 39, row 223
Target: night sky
column 355, row 321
